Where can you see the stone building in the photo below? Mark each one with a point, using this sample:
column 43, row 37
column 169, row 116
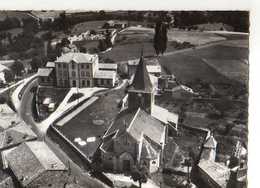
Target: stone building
column 209, row 148
column 33, row 164
column 82, row 70
column 137, row 136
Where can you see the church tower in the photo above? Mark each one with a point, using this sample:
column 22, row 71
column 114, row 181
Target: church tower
column 141, row 91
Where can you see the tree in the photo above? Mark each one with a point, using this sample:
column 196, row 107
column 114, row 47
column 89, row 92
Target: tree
column 160, row 37
column 140, row 174
column 9, row 77
column 17, row 68
column 102, row 45
column 36, row 63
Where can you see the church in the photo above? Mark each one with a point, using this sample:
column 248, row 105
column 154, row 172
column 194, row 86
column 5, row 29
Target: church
column 138, row 134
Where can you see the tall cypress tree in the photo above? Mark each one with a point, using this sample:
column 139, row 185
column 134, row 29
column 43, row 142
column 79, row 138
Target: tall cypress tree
column 160, row 37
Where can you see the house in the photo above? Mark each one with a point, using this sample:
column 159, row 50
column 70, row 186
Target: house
column 15, row 135
column 115, row 24
column 82, row 70
column 167, row 82
column 213, row 174
column 137, row 136
column 182, row 92
column 12, row 137
column 46, row 76
column 152, row 64
column 33, row 164
column 209, row 148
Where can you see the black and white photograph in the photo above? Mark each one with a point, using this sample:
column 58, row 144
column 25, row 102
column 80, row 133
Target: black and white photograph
column 124, row 98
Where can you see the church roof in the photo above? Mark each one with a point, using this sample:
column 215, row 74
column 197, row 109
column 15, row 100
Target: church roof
column 141, row 79
column 137, row 124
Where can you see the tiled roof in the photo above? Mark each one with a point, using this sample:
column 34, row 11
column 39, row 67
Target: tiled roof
column 141, row 79
column 29, row 160
column 44, row 72
column 77, row 58
column 16, row 135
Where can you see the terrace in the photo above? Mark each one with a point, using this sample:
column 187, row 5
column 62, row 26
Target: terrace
column 85, row 125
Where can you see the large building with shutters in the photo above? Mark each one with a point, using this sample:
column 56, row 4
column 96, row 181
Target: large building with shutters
column 82, row 70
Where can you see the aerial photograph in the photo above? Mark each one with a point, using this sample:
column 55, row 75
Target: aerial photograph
column 124, row 99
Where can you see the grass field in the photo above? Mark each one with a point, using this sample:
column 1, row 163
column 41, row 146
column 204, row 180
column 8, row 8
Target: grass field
column 194, row 37
column 84, row 26
column 189, row 68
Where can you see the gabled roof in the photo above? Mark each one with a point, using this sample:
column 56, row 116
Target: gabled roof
column 210, row 142
column 77, row 58
column 138, row 124
column 29, row 160
column 16, row 135
column 141, row 80
column 144, row 124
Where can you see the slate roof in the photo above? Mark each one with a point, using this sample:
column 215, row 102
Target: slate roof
column 77, row 58
column 44, row 72
column 29, row 160
column 141, row 80
column 137, row 124
column 145, row 124
column 16, row 135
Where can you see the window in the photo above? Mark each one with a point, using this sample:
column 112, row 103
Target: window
column 60, row 82
column 154, row 162
column 87, row 66
column 82, row 73
column 82, row 66
column 65, row 73
column 83, row 83
column 102, row 82
column 64, row 66
column 73, row 66
column 73, row 74
column 74, row 83
column 88, row 83
column 59, row 65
